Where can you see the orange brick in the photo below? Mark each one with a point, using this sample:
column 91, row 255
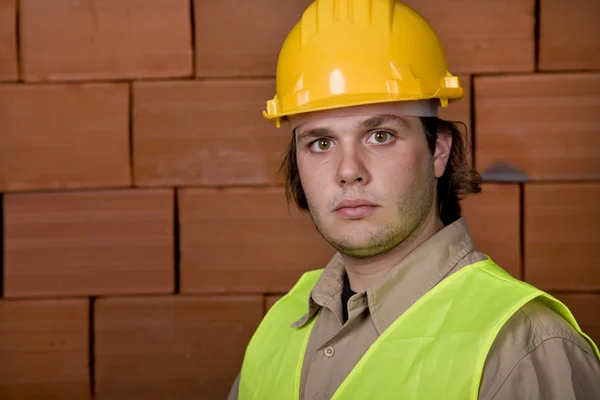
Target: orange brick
column 244, row 240
column 494, row 219
column 483, row 36
column 8, row 40
column 585, row 308
column 102, row 39
column 562, row 245
column 242, row 38
column 88, row 243
column 44, row 349
column 178, row 347
column 569, row 34
column 538, row 127
column 63, row 136
column 205, row 133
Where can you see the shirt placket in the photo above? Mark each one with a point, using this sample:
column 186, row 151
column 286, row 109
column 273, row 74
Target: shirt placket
column 330, row 355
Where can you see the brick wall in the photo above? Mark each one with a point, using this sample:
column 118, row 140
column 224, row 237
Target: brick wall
column 144, row 225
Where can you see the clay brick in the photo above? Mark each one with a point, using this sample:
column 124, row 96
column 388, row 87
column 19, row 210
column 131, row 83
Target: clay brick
column 585, row 308
column 44, row 349
column 205, row 133
column 105, row 39
column 538, row 127
column 242, row 38
column 569, row 35
column 178, row 347
column 245, row 241
column 494, row 219
column 88, row 243
column 483, row 36
column 562, row 245
column 63, row 136
column 8, row 40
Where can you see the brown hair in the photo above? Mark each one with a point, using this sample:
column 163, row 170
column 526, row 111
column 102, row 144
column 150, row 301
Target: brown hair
column 458, row 180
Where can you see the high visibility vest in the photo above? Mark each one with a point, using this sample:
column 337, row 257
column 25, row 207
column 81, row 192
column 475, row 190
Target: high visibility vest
column 435, row 350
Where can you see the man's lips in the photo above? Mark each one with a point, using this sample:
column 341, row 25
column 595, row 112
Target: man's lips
column 354, row 208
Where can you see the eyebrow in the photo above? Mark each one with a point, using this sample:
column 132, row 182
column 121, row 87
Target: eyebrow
column 369, row 123
column 315, row 133
column 379, row 120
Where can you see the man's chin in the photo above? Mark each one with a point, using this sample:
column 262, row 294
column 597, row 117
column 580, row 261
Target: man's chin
column 358, row 238
column 359, row 252
column 359, row 247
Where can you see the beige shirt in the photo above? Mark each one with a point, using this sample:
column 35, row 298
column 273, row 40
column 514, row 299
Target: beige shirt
column 536, row 355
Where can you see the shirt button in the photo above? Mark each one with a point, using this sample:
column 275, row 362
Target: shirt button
column 329, row 352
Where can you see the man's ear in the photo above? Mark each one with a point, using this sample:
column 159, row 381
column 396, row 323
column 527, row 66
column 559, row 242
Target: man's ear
column 443, row 145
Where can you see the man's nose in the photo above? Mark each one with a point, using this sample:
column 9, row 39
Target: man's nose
column 351, row 168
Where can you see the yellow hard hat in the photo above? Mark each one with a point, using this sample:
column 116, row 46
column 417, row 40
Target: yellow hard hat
column 345, row 53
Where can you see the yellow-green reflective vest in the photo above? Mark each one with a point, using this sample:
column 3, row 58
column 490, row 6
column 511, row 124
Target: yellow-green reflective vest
column 435, row 350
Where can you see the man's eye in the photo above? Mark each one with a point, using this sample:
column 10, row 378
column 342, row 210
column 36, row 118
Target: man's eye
column 321, row 145
column 380, row 137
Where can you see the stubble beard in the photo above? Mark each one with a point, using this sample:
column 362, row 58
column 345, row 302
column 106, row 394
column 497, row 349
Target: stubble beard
column 411, row 215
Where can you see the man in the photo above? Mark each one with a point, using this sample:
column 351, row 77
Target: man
column 407, row 308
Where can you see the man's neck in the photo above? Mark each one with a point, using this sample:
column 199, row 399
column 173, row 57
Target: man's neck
column 366, row 272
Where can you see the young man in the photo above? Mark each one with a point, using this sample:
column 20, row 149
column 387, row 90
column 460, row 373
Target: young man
column 407, row 309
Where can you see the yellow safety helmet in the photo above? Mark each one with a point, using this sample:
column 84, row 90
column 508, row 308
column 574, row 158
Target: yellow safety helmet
column 345, row 53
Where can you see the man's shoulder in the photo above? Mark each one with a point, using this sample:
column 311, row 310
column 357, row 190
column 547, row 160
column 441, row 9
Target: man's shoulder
column 533, row 324
column 543, row 323
column 534, row 327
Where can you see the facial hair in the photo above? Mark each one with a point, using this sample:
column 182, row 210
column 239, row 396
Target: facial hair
column 412, row 211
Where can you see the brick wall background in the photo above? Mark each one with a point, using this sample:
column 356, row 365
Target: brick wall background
column 145, row 230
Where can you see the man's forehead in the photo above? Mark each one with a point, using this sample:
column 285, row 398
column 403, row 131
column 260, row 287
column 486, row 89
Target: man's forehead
column 358, row 114
column 351, row 122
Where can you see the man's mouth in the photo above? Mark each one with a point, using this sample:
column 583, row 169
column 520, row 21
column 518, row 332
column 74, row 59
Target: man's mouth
column 354, row 208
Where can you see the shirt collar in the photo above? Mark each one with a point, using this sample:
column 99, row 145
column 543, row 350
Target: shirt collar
column 418, row 273
column 414, row 276
column 328, row 286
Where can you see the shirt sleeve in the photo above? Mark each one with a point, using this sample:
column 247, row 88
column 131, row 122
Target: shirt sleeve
column 556, row 369
column 233, row 393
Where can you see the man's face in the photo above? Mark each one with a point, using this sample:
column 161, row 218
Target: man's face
column 369, row 179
